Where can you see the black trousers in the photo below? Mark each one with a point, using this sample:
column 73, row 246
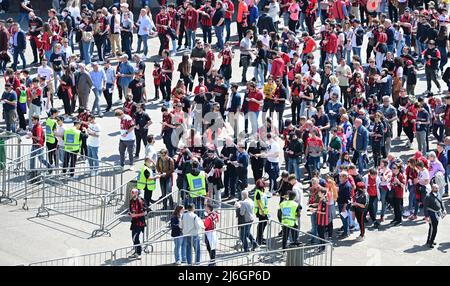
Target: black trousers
column 409, row 132
column 431, row 75
column 398, row 204
column 287, row 231
column 432, row 230
column 166, row 89
column 100, row 42
column 241, row 31
column 52, row 154
column 141, row 135
column 70, row 159
column 359, row 214
column 83, row 150
column 211, row 252
column 22, row 120
column 321, row 229
column 181, row 32
column 108, row 96
column 165, row 190
column 162, row 42
column 438, row 132
column 196, row 71
column 372, row 209
column 35, row 51
column 135, row 234
column 261, row 227
column 147, row 196
column 66, row 103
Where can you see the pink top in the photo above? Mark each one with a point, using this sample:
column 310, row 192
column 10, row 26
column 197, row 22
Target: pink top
column 294, row 10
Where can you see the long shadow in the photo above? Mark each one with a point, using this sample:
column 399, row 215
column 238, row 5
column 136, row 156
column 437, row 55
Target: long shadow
column 112, row 158
column 34, row 220
column 443, row 247
column 417, row 248
column 113, row 134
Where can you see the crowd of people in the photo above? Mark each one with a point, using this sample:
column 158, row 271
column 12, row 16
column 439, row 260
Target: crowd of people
column 348, row 70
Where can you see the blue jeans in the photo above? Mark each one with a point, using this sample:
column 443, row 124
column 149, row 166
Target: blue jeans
column 294, row 168
column 273, row 170
column 245, row 235
column 96, row 105
column 192, row 241
column 219, row 35
column 92, row 157
column 179, row 249
column 390, row 48
column 190, row 39
column 411, row 198
column 383, row 197
column 314, row 224
column 143, row 39
column 325, row 138
column 345, row 221
column 259, row 75
column 16, row 55
column 228, row 29
column 37, row 151
column 357, row 51
column 302, row 20
column 86, row 52
column 444, row 58
column 24, row 17
column 314, row 163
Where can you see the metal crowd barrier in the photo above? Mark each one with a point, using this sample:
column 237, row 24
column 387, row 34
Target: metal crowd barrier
column 158, row 218
column 83, row 202
column 229, row 252
column 94, row 259
column 21, row 179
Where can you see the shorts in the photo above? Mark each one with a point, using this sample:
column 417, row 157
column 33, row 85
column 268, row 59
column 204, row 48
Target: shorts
column 268, row 104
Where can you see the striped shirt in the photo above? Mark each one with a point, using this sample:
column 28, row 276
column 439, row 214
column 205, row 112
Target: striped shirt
column 162, row 20
column 206, row 20
column 226, row 56
column 191, row 21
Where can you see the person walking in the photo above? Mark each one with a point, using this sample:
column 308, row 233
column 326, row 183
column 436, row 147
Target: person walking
column 359, row 205
column 19, row 44
column 127, row 125
column 191, row 225
column 143, row 122
column 434, row 210
column 137, row 214
column 432, row 57
column 165, row 166
column 245, row 212
column 83, row 83
column 99, row 85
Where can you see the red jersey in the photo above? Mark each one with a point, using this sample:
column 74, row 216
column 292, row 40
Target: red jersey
column 206, row 20
column 253, row 106
column 157, row 76
column 191, row 21
column 372, row 186
column 37, row 131
column 226, row 56
column 162, row 20
column 398, row 190
column 230, row 9
column 209, row 60
column 173, row 19
column 331, row 46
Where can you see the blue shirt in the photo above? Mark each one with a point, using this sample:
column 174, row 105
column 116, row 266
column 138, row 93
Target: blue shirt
column 125, row 68
column 98, row 77
column 422, row 116
column 243, row 159
column 254, row 14
column 11, row 96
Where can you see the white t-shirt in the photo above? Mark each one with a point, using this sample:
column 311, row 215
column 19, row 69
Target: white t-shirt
column 425, row 175
column 67, row 51
column 91, row 140
column 151, row 152
column 273, row 149
column 46, row 72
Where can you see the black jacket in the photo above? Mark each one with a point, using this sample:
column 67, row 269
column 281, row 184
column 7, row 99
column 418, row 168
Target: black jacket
column 21, row 41
column 432, row 204
column 265, row 22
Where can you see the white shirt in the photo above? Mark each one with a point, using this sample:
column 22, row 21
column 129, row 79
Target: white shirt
column 273, row 149
column 67, row 51
column 316, row 79
column 151, row 152
column 265, row 40
column 145, row 25
column 425, row 175
column 191, row 224
column 274, row 11
column 46, row 72
column 91, row 140
column 75, row 13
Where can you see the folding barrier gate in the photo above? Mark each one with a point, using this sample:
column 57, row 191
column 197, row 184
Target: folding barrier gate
column 228, row 251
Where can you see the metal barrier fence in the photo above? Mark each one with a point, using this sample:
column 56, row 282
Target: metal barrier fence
column 93, row 259
column 158, row 218
column 229, row 251
column 21, row 179
column 83, row 202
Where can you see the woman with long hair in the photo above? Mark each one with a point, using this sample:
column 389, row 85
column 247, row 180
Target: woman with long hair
column 86, row 39
column 177, row 233
column 46, row 40
column 185, row 69
column 66, row 83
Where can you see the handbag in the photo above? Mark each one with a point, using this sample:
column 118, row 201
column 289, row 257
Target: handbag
column 87, row 36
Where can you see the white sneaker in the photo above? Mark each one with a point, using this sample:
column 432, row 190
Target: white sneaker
column 360, row 238
column 131, row 168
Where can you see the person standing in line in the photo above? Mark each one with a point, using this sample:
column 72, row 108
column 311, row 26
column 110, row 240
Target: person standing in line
column 127, row 125
column 434, row 210
column 137, row 214
column 177, row 234
column 191, row 225
column 165, row 166
column 143, row 121
column 19, row 44
column 344, row 196
column 423, row 120
column 245, row 211
column 210, row 222
column 9, row 100
column 272, row 166
column 99, row 85
column 83, row 83
column 432, row 57
column 145, row 27
column 109, row 86
column 93, row 143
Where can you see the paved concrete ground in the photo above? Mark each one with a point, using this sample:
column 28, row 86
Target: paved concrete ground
column 25, row 238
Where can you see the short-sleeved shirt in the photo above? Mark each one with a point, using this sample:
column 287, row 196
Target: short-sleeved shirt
column 422, row 116
column 219, row 14
column 38, row 93
column 198, row 53
column 11, row 96
column 315, row 146
column 142, row 120
column 126, row 123
column 137, row 88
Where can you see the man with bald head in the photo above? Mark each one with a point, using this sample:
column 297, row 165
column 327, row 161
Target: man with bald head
column 359, row 141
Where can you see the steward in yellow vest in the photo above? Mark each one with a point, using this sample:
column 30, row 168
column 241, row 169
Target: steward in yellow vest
column 50, row 139
column 290, row 212
column 146, row 181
